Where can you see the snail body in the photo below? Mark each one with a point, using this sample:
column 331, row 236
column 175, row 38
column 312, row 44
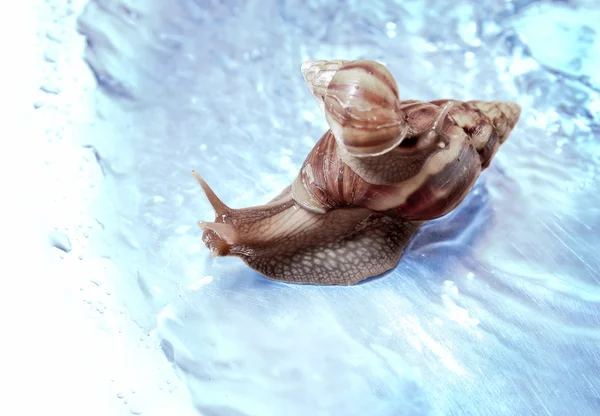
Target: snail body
column 383, row 168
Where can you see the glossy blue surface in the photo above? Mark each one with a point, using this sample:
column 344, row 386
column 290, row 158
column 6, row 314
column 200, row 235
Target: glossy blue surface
column 494, row 309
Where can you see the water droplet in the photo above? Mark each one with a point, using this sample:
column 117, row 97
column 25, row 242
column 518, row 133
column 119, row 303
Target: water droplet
column 50, row 89
column 308, row 116
column 60, row 241
column 450, row 288
column 135, row 411
column 51, row 55
column 53, row 36
column 38, row 104
column 120, row 395
column 131, row 13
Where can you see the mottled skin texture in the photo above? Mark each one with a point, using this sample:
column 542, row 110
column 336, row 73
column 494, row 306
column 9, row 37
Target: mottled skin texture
column 384, row 168
column 285, row 242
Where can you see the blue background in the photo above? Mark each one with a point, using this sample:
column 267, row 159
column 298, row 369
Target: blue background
column 494, row 309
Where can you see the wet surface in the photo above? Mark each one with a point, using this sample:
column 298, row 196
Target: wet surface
column 494, row 309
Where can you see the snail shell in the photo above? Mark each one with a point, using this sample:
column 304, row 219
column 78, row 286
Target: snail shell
column 361, row 104
column 384, row 168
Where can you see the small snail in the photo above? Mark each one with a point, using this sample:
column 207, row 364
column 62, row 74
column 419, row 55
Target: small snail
column 384, row 168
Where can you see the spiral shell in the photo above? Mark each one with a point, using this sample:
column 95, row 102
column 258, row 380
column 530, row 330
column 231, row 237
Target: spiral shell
column 419, row 165
column 361, row 104
column 384, row 168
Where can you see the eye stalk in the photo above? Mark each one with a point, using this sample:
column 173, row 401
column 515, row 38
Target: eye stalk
column 431, row 139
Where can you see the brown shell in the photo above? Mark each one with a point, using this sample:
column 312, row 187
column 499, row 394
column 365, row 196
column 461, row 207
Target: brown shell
column 383, row 168
column 361, row 104
column 447, row 144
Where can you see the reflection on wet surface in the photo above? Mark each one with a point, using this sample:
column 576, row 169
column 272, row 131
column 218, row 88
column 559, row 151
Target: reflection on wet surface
column 494, row 309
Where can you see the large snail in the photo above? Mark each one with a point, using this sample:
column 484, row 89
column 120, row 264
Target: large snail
column 384, row 168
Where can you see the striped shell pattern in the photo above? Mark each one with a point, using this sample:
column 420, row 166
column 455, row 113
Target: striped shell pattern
column 383, row 168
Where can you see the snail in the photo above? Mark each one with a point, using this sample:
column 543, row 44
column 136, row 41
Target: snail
column 385, row 167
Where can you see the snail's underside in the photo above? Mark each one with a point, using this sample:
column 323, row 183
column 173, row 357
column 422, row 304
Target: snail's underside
column 385, row 167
